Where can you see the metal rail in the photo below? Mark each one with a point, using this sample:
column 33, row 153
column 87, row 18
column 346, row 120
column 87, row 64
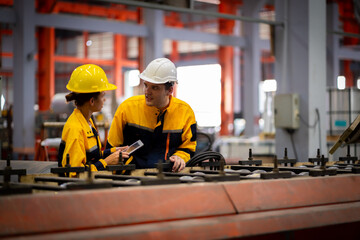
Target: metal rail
column 346, row 34
column 206, row 210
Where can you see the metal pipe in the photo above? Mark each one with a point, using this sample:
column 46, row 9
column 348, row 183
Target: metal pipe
column 192, row 11
column 354, row 35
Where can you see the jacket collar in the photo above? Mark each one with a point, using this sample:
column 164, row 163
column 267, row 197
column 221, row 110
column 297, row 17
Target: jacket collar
column 81, row 118
column 155, row 109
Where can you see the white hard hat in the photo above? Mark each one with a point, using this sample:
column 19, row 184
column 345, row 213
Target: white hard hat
column 159, row 71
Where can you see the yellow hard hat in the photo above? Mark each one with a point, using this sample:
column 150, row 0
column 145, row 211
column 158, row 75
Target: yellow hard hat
column 89, row 78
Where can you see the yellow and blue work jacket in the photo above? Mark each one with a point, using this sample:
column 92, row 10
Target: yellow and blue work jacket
column 82, row 142
column 166, row 133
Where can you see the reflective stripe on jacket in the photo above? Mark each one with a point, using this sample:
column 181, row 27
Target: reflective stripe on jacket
column 172, row 132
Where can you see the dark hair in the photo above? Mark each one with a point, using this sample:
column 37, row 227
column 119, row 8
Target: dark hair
column 81, row 98
column 168, row 85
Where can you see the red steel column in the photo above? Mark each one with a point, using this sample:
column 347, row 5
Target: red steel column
column 226, row 56
column 348, row 74
column 118, row 56
column 46, row 79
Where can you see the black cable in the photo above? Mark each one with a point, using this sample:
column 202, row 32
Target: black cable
column 317, row 122
column 203, row 156
column 307, row 124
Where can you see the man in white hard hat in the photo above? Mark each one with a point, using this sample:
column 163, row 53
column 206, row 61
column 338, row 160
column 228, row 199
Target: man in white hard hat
column 165, row 124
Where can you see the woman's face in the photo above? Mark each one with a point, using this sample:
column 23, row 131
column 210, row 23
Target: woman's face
column 98, row 102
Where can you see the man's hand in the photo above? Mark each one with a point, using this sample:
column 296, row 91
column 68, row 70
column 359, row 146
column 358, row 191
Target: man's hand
column 179, row 163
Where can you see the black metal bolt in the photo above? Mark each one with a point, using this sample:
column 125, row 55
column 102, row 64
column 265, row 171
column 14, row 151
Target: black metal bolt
column 276, row 168
column 120, row 158
column 8, row 160
column 160, row 174
column 67, row 165
column 222, row 165
column 285, row 154
column 67, row 161
column 250, row 154
column 89, row 179
column 7, row 172
column 348, row 151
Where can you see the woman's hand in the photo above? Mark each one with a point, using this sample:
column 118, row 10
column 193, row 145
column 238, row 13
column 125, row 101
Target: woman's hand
column 113, row 158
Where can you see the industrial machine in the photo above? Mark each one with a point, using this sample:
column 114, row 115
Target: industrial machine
column 208, row 200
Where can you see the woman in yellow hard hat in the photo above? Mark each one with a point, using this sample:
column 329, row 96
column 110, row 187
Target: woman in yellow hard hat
column 80, row 139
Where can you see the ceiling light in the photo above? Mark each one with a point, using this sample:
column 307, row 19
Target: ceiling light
column 270, row 85
column 341, row 82
column 88, row 43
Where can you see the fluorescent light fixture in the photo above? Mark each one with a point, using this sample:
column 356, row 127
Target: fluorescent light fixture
column 217, row 2
column 341, row 82
column 270, row 85
column 2, row 101
column 261, row 122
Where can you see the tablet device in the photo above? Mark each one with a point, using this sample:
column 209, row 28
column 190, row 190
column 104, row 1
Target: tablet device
column 133, row 147
column 350, row 135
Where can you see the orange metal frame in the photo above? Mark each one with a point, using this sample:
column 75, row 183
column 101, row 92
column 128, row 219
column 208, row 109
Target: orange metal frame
column 226, row 56
column 196, row 211
column 6, row 2
column 47, row 57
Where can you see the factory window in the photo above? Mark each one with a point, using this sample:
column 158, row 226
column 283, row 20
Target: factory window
column 131, row 80
column 267, row 90
column 200, row 87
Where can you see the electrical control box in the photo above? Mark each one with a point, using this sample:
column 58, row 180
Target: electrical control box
column 286, row 108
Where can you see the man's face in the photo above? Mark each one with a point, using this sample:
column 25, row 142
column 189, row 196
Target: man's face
column 156, row 95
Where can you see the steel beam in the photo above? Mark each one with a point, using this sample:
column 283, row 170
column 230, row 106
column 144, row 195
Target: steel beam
column 346, row 53
column 91, row 24
column 192, row 11
column 190, row 35
column 7, row 15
